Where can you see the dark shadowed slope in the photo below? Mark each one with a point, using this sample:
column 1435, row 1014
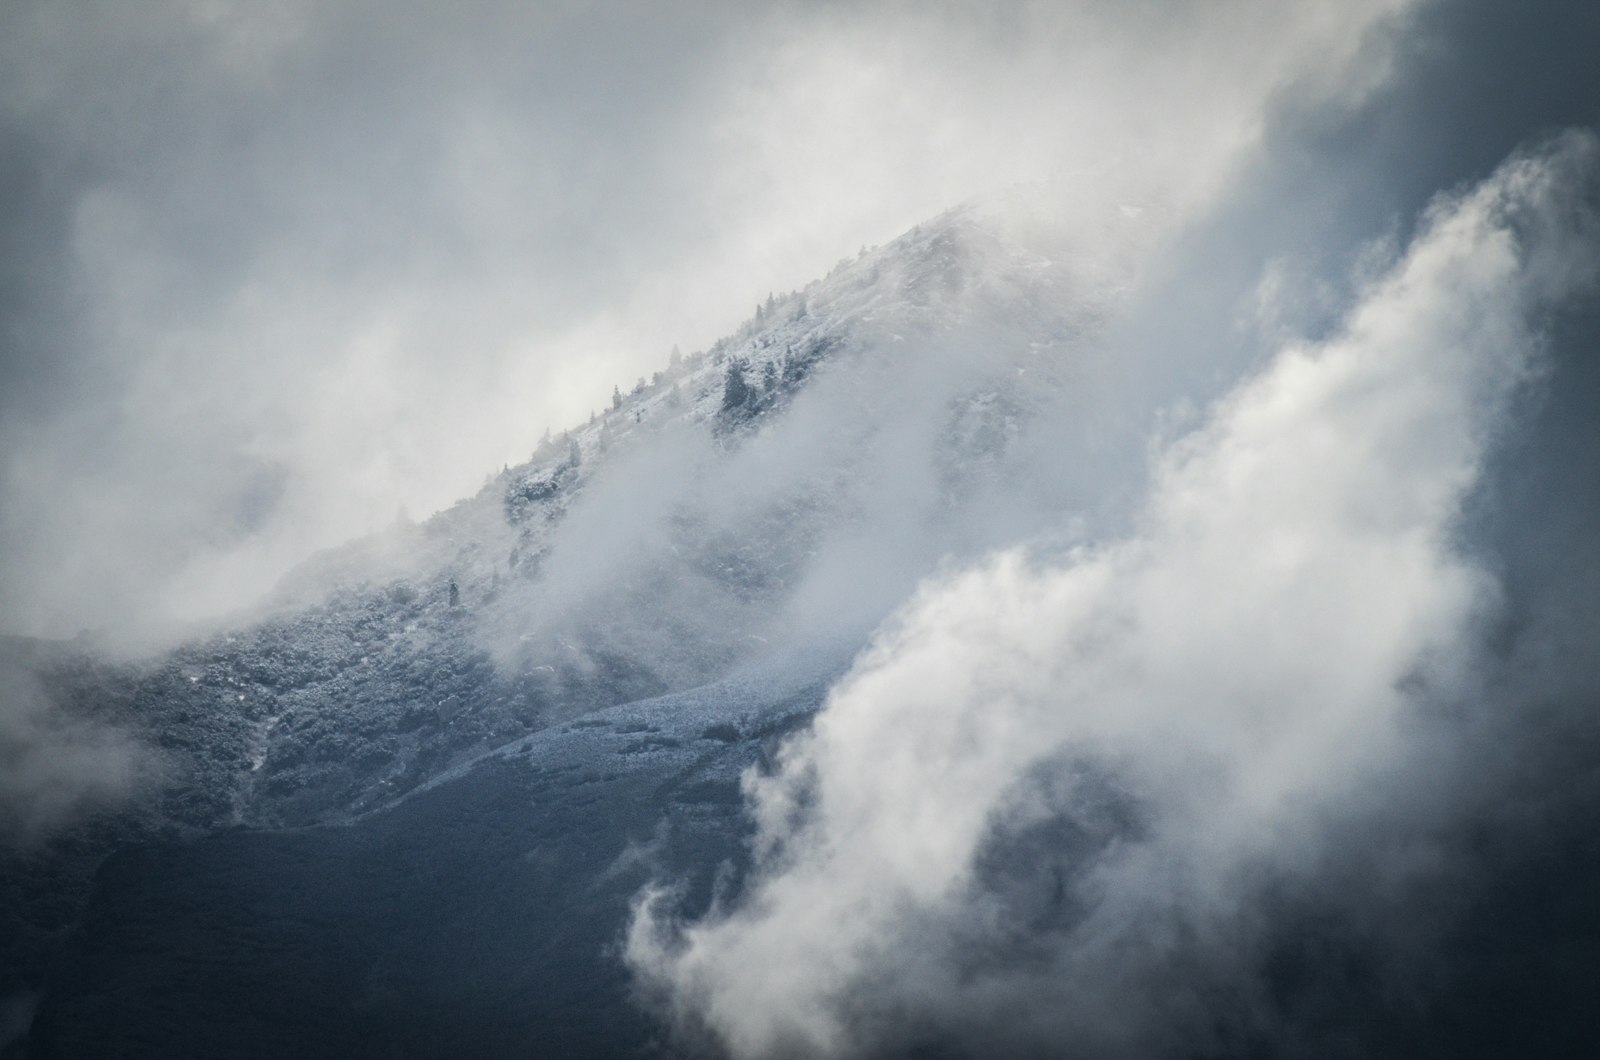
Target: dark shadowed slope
column 481, row 917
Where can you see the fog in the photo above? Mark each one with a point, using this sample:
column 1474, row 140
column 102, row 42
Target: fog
column 272, row 275
column 56, row 768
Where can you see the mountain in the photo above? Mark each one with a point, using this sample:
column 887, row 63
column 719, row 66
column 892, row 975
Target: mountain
column 585, row 652
column 413, row 805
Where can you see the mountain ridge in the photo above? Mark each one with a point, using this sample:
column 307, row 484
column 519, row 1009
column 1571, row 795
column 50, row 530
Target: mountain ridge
column 683, row 536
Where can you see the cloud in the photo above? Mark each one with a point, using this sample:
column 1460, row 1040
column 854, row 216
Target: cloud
column 682, row 546
column 1046, row 808
column 270, row 275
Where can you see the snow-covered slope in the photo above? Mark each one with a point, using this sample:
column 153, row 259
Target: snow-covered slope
column 677, row 534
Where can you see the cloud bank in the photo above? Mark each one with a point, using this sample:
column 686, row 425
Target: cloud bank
column 1049, row 805
column 270, row 275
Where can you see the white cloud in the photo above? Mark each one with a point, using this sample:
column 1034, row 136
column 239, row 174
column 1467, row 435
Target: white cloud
column 1189, row 706
column 372, row 251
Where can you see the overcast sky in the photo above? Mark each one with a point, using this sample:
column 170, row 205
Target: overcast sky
column 269, row 273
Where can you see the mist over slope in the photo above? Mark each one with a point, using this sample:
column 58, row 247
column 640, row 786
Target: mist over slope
column 1064, row 800
column 758, row 505
column 270, row 274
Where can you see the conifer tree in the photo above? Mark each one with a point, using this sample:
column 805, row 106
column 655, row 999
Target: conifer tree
column 736, row 393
